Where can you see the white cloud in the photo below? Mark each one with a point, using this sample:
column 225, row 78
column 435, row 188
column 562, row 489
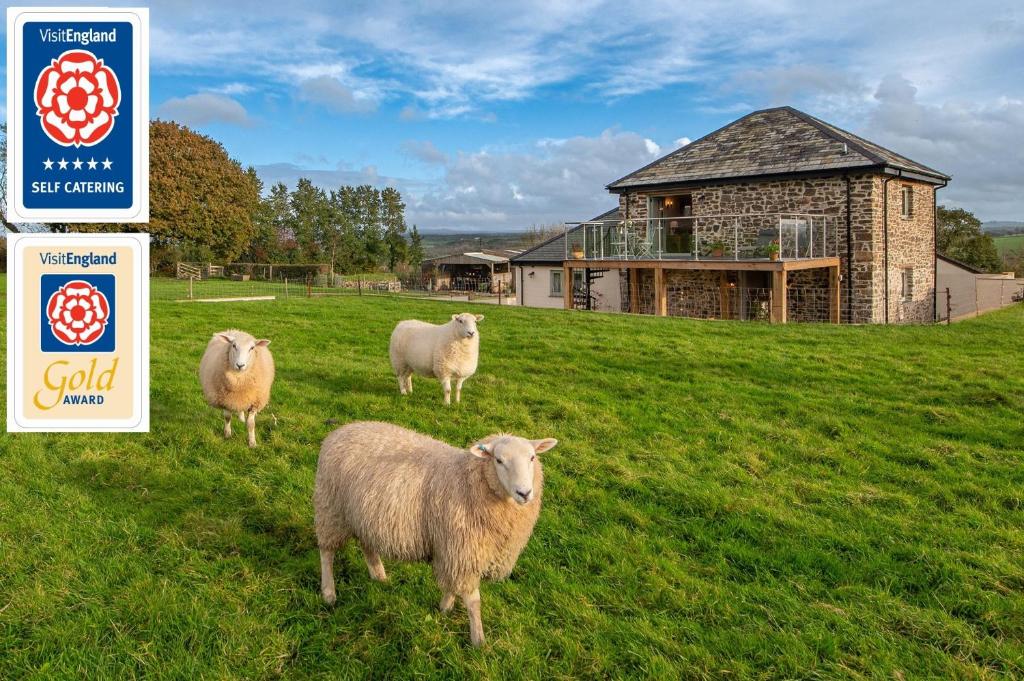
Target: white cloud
column 975, row 142
column 204, row 108
column 329, row 92
column 424, row 151
column 681, row 142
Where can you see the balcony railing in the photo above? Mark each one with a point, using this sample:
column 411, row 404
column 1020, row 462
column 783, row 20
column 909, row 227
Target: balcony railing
column 706, row 237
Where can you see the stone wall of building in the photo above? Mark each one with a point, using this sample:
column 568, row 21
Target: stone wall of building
column 911, row 241
column 911, row 250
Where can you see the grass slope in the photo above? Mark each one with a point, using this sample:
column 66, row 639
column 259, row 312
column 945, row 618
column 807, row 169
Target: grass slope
column 728, row 500
column 1006, row 244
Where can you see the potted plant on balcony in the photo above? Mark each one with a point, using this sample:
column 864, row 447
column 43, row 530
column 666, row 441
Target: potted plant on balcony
column 773, row 251
column 577, row 251
column 718, row 248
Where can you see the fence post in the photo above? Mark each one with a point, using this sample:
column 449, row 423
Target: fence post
column 309, row 286
column 949, row 307
column 499, row 292
column 190, row 287
column 359, row 283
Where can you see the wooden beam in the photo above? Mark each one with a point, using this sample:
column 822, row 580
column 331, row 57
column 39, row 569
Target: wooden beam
column 833, row 294
column 723, row 289
column 778, row 314
column 660, row 293
column 634, row 291
column 567, row 285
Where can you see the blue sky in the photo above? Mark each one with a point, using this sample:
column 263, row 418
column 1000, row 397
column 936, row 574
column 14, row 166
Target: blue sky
column 498, row 116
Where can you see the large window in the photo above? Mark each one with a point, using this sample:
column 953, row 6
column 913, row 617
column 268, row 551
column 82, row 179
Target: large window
column 673, row 222
column 556, row 282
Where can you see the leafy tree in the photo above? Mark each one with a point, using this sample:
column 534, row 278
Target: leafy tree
column 202, row 203
column 960, row 237
column 370, row 228
column 393, row 219
column 310, row 215
column 415, row 254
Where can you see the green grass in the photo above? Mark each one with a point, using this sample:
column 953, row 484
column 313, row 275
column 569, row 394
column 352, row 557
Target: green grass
column 1012, row 242
column 727, row 500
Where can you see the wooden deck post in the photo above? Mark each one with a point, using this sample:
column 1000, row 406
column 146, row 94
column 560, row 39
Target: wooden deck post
column 833, row 294
column 779, row 303
column 634, row 290
column 567, row 285
column 660, row 297
column 723, row 295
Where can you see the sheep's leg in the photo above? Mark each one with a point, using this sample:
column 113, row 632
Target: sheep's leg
column 458, row 389
column 408, row 383
column 250, row 427
column 373, row 563
column 227, row 423
column 446, row 383
column 447, row 601
column 476, row 625
column 241, row 416
column 327, row 576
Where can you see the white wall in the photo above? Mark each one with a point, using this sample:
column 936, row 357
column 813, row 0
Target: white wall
column 971, row 294
column 535, row 291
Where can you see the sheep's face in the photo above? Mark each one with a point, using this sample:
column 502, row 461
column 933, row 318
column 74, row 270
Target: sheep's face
column 241, row 350
column 465, row 324
column 514, row 459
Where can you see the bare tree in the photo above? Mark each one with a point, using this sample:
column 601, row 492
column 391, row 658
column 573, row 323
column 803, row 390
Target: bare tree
column 3, row 179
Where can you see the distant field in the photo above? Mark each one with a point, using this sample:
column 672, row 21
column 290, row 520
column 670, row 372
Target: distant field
column 728, row 500
column 443, row 244
column 1013, row 242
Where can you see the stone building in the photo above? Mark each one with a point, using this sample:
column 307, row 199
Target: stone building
column 777, row 216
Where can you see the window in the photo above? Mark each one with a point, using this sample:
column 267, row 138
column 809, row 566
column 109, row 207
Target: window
column 556, row 282
column 908, row 283
column 907, row 202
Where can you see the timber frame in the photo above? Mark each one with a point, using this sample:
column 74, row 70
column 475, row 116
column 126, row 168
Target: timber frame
column 778, row 268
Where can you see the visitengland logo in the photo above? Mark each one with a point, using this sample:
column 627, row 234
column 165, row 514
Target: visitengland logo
column 78, row 313
column 76, row 98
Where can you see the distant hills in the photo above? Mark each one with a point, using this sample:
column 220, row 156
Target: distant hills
column 997, row 227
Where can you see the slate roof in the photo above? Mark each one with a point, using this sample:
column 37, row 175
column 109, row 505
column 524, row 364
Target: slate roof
column 553, row 250
column 771, row 142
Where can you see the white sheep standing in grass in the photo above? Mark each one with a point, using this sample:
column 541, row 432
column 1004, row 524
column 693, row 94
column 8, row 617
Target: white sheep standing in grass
column 444, row 351
column 236, row 373
column 405, row 496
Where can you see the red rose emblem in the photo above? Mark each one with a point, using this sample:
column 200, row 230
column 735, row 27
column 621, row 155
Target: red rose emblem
column 77, row 98
column 78, row 313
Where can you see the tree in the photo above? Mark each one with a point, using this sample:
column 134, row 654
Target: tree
column 960, row 237
column 202, row 203
column 415, row 254
column 310, row 215
column 370, row 229
column 393, row 219
column 3, row 179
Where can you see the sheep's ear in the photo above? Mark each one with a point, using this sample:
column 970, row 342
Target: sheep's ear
column 481, row 450
column 225, row 337
column 454, row 317
column 479, row 317
column 540, row 446
column 262, row 343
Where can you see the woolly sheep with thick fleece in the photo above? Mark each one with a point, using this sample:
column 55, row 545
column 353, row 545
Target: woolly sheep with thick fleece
column 236, row 373
column 406, row 496
column 444, row 351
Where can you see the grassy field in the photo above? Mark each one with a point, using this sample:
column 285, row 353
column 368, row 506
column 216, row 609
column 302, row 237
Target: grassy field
column 1013, row 242
column 728, row 500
